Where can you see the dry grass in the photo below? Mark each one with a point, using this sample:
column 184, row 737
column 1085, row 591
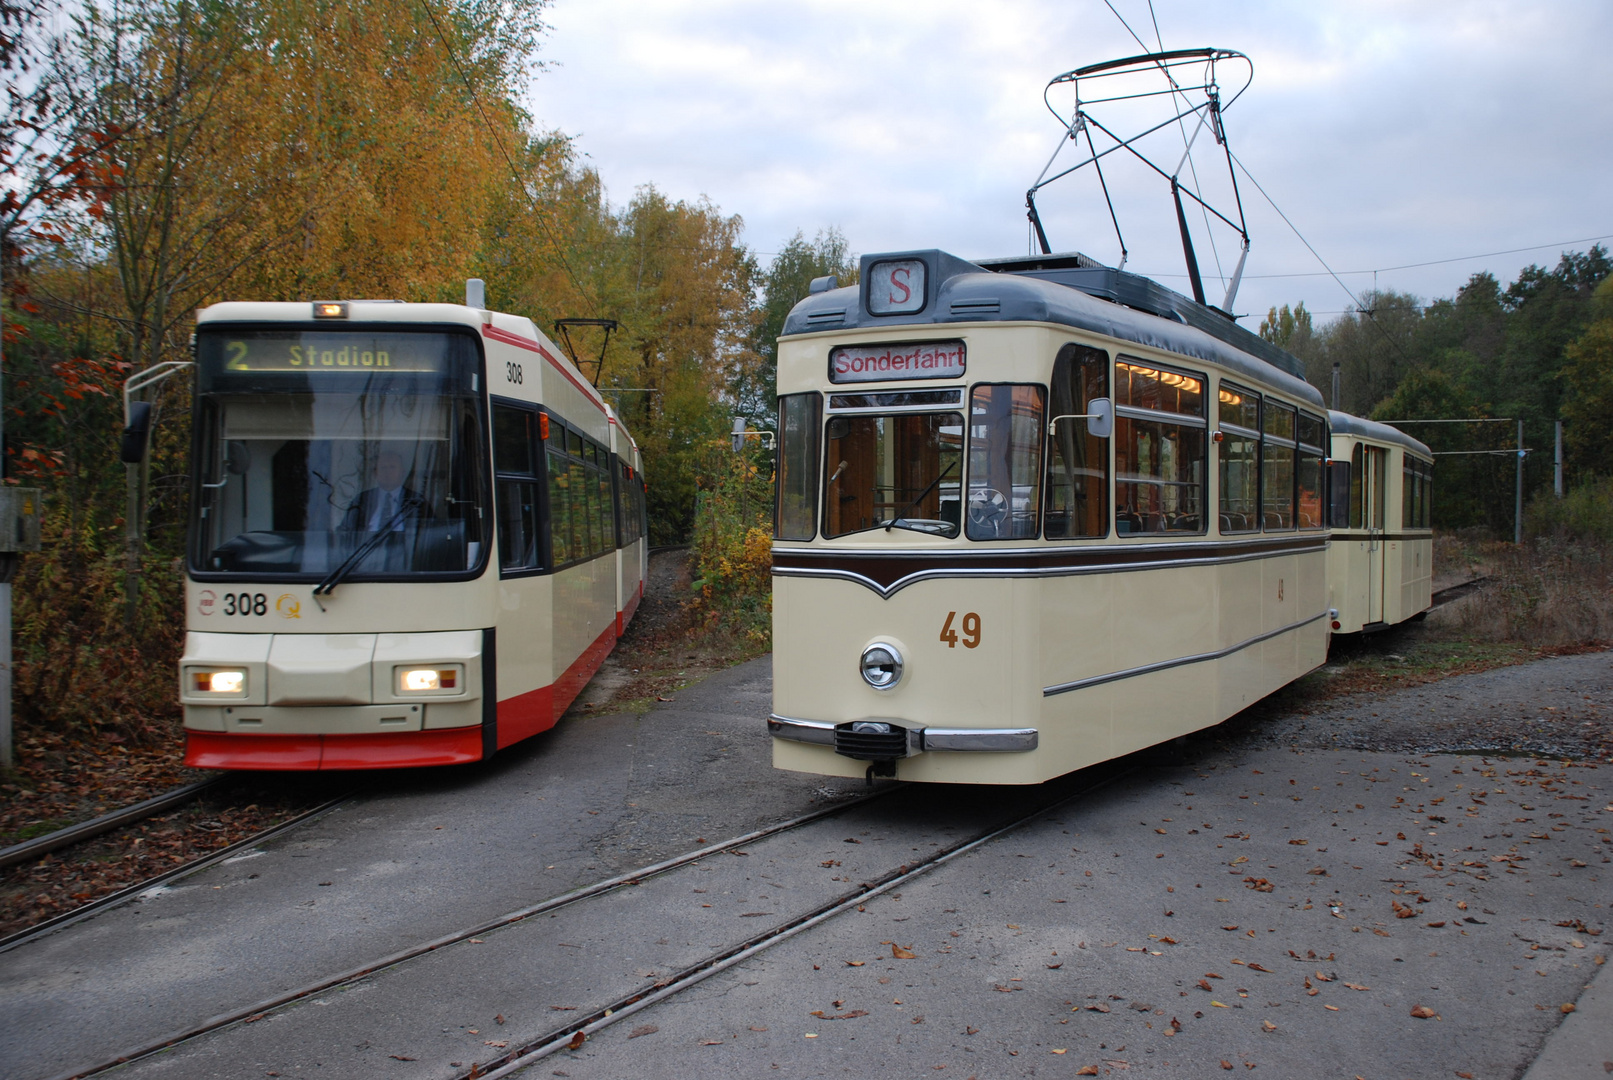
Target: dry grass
column 1548, row 593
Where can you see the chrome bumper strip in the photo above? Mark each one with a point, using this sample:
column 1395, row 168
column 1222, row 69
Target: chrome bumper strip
column 994, row 740
column 972, row 740
column 807, row 731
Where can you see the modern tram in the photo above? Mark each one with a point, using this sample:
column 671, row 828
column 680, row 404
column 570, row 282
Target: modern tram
column 1380, row 564
column 416, row 533
column 1037, row 513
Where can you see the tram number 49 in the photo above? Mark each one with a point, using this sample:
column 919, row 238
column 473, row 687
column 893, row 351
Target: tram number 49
column 245, row 603
column 971, row 630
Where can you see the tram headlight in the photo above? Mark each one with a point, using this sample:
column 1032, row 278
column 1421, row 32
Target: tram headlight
column 229, row 681
column 443, row 679
column 881, row 666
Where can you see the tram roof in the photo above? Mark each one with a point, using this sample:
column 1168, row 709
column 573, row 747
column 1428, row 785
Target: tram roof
column 1070, row 290
column 1342, row 423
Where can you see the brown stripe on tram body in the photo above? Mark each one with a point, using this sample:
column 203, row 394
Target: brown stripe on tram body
column 888, row 569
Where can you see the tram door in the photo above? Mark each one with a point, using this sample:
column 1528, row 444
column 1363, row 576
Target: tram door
column 1376, row 477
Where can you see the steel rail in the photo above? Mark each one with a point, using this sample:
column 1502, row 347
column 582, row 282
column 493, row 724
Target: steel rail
column 130, row 892
column 567, row 1036
column 1455, row 592
column 84, row 830
column 586, row 892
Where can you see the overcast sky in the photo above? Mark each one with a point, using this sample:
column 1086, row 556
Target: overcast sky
column 1389, row 133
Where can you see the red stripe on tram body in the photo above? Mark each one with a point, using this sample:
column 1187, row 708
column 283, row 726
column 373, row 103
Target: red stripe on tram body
column 532, row 346
column 303, row 753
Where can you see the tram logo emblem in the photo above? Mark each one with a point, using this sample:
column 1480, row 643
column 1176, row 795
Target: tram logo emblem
column 205, row 601
column 288, row 606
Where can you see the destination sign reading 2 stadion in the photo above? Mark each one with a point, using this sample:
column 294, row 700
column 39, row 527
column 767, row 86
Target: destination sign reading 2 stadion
column 343, row 350
column 878, row 363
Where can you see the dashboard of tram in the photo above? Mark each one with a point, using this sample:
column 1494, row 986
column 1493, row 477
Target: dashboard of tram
column 320, row 448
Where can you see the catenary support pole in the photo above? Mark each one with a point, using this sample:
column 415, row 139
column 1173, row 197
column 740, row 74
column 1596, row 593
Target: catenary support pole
column 1517, row 509
column 8, row 564
column 1557, row 476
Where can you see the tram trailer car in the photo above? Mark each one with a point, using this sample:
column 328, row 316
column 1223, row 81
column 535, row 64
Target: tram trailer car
column 416, row 532
column 1380, row 564
column 1033, row 514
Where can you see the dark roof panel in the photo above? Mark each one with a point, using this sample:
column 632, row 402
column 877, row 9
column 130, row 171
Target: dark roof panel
column 1081, row 294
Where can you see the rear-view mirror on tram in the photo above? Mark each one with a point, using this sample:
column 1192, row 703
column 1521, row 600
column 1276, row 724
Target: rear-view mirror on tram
column 1100, row 421
column 136, row 433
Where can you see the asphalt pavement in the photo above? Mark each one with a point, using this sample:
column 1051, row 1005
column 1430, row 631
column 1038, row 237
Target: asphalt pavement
column 1233, row 902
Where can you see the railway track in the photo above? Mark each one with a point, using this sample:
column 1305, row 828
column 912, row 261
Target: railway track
column 1455, row 592
column 614, row 1007
column 126, row 817
column 88, row 830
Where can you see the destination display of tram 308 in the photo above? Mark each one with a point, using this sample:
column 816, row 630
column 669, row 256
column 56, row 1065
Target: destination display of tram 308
column 342, row 350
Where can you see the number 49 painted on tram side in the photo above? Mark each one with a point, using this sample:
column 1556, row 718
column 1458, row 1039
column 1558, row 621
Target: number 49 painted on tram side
column 971, row 630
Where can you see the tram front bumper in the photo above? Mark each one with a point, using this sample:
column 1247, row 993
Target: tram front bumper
column 899, row 740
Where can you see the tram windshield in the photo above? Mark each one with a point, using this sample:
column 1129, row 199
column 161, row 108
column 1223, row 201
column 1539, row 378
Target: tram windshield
column 314, row 446
column 900, row 471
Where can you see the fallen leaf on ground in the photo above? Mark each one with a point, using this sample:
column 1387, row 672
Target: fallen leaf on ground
column 1422, row 1012
column 642, row 1029
column 1567, row 1007
column 1268, row 1025
column 1357, row 986
column 899, row 953
column 576, row 1041
column 1257, row 967
column 854, row 963
column 1087, row 1070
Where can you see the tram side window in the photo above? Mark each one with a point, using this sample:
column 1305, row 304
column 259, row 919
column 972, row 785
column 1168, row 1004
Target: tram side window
column 796, row 511
column 1277, row 467
column 1077, row 461
column 1340, row 478
column 1427, row 518
column 1160, row 437
column 1239, row 464
column 580, row 512
column 514, row 463
column 1005, row 461
column 1312, row 437
column 1408, row 492
column 627, row 483
column 1358, row 501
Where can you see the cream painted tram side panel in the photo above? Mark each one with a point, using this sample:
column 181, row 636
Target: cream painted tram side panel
column 1076, row 642
column 1162, row 615
column 1239, row 678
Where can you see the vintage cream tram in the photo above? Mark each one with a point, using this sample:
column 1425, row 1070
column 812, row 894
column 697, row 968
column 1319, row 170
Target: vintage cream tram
column 1380, row 561
column 416, row 532
column 1033, row 514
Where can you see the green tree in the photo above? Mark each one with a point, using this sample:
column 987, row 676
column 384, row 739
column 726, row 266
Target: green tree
column 1587, row 378
column 785, row 284
column 1289, row 329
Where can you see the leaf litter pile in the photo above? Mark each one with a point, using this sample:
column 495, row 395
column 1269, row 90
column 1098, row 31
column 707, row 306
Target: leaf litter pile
column 60, row 782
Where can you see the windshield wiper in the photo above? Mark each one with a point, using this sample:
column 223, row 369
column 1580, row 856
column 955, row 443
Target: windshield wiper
column 338, row 575
column 920, row 497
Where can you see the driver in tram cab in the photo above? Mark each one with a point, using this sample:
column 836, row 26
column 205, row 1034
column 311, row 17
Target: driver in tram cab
column 390, row 503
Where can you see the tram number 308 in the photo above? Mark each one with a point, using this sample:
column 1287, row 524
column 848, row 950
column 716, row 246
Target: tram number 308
column 245, row 603
column 971, row 630
column 513, row 372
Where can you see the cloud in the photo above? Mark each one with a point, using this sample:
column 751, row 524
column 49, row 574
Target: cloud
column 1389, row 132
